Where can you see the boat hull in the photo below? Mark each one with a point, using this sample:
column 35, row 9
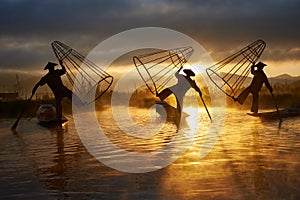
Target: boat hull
column 284, row 113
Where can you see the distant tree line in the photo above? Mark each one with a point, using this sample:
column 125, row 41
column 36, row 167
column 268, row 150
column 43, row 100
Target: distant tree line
column 285, row 96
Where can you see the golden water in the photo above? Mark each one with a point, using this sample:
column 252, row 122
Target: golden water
column 251, row 160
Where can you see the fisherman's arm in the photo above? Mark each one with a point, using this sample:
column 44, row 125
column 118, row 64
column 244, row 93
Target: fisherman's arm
column 63, row 69
column 40, row 83
column 179, row 70
column 252, row 68
column 177, row 75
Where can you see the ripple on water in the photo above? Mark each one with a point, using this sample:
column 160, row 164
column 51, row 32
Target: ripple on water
column 251, row 160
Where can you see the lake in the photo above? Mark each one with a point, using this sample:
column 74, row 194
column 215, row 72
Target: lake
column 250, row 160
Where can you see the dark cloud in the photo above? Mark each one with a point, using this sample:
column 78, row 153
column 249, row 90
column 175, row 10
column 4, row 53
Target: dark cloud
column 220, row 26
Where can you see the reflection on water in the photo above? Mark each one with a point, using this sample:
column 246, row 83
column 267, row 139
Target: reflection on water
column 251, row 160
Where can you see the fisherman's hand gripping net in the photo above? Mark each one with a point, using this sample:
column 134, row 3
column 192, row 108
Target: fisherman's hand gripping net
column 230, row 74
column 157, row 68
column 90, row 79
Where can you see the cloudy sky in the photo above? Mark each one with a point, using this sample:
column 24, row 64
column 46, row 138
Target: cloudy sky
column 29, row 26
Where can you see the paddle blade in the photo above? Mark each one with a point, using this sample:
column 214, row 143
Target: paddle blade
column 15, row 125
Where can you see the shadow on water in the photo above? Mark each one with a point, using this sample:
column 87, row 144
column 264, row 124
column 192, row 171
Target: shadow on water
column 65, row 170
column 57, row 179
column 266, row 159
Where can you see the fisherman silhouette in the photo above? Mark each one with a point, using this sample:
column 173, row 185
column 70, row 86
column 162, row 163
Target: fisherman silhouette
column 53, row 80
column 258, row 80
column 184, row 83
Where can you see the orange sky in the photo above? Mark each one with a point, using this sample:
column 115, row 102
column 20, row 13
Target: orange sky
column 221, row 27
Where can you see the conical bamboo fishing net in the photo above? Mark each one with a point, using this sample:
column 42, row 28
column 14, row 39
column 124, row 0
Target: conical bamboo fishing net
column 91, row 79
column 230, row 74
column 157, row 69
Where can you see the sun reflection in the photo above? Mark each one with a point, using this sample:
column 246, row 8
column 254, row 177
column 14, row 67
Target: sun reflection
column 195, row 163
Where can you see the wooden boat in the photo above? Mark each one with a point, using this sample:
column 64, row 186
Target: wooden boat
column 46, row 115
column 283, row 113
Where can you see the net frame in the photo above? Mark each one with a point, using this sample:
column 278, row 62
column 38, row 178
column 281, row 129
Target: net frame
column 172, row 58
column 249, row 56
column 73, row 61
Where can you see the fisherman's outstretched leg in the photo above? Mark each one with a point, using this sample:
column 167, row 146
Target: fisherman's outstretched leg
column 164, row 94
column 242, row 97
column 254, row 107
column 179, row 109
column 58, row 108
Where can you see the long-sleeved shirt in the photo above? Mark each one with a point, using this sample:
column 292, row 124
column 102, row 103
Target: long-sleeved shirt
column 258, row 80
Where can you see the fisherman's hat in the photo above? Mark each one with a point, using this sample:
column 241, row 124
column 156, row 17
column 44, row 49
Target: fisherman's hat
column 189, row 72
column 50, row 65
column 260, row 64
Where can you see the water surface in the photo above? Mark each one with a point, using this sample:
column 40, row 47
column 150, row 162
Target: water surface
column 251, row 160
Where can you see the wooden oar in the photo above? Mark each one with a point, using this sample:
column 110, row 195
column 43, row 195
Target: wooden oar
column 276, row 107
column 21, row 114
column 205, row 106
